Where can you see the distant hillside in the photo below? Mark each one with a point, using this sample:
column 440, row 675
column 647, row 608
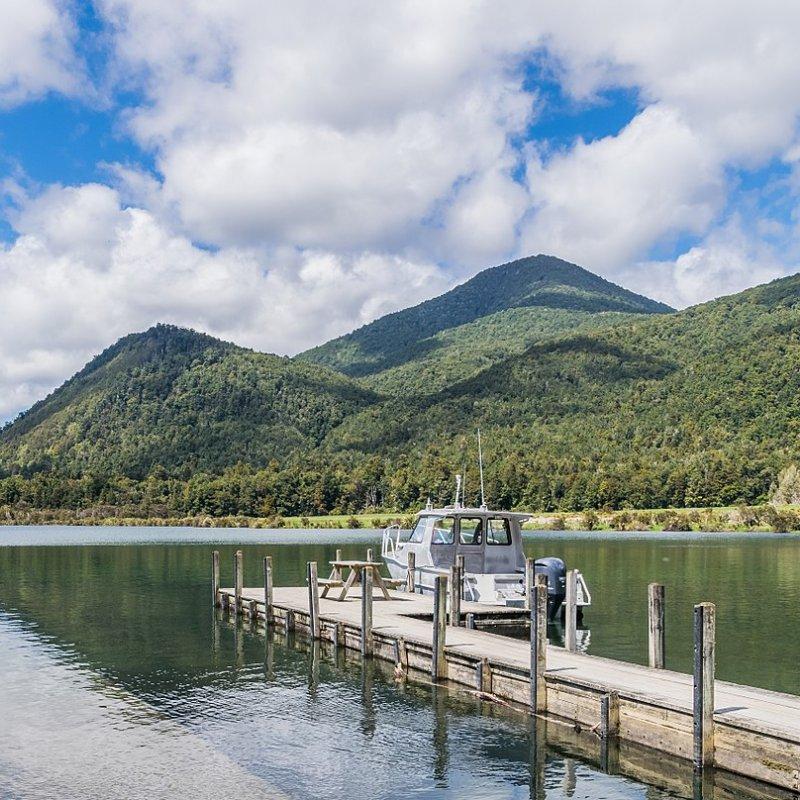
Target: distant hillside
column 701, row 407
column 180, row 400
column 499, row 312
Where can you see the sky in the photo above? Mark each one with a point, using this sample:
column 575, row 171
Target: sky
column 278, row 174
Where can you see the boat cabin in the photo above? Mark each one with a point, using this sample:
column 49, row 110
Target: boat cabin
column 490, row 541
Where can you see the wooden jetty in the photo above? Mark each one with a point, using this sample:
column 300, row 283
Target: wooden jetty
column 711, row 724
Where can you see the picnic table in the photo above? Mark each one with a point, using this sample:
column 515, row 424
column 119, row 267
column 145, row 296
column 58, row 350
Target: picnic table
column 356, row 568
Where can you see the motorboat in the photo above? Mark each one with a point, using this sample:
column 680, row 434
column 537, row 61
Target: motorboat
column 490, row 543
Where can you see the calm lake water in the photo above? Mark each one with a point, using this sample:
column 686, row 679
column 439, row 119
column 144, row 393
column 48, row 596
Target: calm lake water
column 117, row 679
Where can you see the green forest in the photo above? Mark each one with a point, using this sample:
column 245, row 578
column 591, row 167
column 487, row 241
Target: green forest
column 588, row 397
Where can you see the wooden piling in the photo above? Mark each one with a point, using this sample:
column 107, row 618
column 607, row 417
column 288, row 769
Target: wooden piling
column 462, row 569
column 370, row 554
column 703, row 705
column 530, row 571
column 470, row 621
column 411, row 572
column 571, row 611
column 655, row 616
column 313, row 599
column 215, row 577
column 609, row 715
column 238, row 581
column 337, row 573
column 268, row 618
column 438, row 663
column 538, row 617
column 366, row 612
column 455, row 596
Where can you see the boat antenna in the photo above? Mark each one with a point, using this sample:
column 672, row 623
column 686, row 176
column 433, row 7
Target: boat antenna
column 458, row 489
column 480, row 467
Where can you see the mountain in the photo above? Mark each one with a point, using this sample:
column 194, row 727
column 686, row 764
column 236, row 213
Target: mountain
column 180, row 400
column 696, row 408
column 500, row 312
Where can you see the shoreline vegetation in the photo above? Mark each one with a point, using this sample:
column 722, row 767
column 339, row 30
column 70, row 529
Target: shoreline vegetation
column 757, row 519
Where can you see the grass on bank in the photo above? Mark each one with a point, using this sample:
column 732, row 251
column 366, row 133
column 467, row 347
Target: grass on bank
column 763, row 518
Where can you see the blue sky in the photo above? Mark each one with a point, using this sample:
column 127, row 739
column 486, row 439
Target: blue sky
column 278, row 175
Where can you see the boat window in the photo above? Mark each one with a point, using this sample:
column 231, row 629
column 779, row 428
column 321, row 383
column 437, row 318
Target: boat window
column 470, row 530
column 498, row 531
column 443, row 531
column 418, row 532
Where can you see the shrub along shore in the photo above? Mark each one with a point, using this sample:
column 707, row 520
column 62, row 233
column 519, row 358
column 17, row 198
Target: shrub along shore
column 762, row 518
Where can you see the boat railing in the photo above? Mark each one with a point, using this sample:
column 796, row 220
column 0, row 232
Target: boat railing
column 390, row 541
column 584, row 597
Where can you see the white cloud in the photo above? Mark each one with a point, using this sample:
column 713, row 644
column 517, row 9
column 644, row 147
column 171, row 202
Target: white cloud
column 86, row 270
column 36, row 53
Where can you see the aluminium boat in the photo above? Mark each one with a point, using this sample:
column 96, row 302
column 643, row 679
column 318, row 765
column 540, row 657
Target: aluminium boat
column 491, row 545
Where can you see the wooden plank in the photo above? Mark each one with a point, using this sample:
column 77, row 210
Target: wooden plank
column 703, row 688
column 366, row 613
column 655, row 625
column 571, row 611
column 313, row 598
column 438, row 663
column 215, row 578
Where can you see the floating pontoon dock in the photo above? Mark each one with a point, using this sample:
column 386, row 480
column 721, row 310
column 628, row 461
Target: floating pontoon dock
column 747, row 731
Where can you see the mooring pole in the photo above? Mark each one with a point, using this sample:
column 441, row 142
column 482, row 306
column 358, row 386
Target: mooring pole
column 366, row 612
column 438, row 663
column 215, row 578
column 462, row 569
column 655, row 618
column 538, row 617
column 337, row 573
column 238, row 581
column 455, row 596
column 530, row 571
column 571, row 611
column 411, row 572
column 313, row 599
column 267, row 591
column 704, row 641
column 609, row 732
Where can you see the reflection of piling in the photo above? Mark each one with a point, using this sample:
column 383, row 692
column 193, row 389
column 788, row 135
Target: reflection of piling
column 704, row 645
column 655, row 625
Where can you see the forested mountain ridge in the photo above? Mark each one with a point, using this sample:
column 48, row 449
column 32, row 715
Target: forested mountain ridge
column 181, row 401
column 695, row 408
column 701, row 407
column 499, row 312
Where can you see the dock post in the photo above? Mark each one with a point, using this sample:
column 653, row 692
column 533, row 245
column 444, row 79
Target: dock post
column 470, row 622
column 609, row 732
column 438, row 663
column 571, row 611
column 538, row 616
column 369, row 554
column 215, row 577
column 655, row 617
column 455, row 596
column 366, row 612
column 462, row 569
column 267, row 591
column 704, row 640
column 313, row 598
column 411, row 572
column 530, row 571
column 238, row 581
column 337, row 573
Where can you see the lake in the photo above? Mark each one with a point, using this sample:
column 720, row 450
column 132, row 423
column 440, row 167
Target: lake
column 117, row 679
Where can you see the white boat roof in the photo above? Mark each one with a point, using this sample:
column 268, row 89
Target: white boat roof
column 462, row 511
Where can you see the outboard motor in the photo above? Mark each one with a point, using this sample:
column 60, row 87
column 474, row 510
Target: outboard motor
column 556, row 572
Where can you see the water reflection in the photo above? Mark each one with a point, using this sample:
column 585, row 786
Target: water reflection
column 124, row 645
